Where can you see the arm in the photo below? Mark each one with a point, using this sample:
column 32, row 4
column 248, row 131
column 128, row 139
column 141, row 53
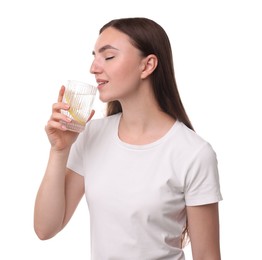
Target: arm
column 60, row 190
column 57, row 198
column 203, row 226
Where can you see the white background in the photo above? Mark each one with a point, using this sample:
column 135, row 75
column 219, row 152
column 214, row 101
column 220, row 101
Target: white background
column 218, row 63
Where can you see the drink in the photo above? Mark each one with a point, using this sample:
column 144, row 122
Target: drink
column 80, row 97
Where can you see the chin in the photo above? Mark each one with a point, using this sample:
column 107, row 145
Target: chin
column 105, row 99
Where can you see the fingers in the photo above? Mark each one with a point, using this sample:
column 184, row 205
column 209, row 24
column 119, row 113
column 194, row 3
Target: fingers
column 61, row 93
column 57, row 117
column 52, row 126
column 60, row 105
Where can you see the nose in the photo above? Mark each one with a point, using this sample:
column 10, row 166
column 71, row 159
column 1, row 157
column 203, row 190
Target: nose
column 95, row 68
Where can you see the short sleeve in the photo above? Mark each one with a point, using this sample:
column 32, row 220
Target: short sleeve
column 202, row 179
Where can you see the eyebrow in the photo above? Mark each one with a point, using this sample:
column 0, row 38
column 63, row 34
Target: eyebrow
column 104, row 48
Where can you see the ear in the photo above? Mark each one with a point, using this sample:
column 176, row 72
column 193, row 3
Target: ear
column 149, row 64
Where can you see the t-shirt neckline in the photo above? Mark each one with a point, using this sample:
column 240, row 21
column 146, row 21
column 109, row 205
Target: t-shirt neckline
column 143, row 146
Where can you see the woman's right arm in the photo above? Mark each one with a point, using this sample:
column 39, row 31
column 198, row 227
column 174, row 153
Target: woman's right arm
column 58, row 196
column 61, row 189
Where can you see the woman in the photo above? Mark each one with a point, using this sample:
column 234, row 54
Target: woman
column 148, row 178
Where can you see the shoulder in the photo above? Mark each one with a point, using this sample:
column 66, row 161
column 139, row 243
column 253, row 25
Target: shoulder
column 199, row 168
column 191, row 142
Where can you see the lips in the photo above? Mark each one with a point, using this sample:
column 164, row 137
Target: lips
column 101, row 83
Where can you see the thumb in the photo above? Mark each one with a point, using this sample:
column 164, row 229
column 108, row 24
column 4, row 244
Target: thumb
column 91, row 115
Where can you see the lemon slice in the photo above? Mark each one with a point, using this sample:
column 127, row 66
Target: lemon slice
column 74, row 110
column 76, row 117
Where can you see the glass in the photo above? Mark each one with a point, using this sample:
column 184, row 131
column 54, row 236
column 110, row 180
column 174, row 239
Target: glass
column 80, row 97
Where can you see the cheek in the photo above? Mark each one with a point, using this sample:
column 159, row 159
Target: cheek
column 127, row 73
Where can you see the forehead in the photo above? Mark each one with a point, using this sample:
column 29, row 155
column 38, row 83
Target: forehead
column 114, row 38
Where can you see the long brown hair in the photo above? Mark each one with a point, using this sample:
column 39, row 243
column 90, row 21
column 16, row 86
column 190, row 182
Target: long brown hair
column 150, row 38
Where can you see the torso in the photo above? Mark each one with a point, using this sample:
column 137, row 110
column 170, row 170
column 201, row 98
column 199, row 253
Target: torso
column 137, row 194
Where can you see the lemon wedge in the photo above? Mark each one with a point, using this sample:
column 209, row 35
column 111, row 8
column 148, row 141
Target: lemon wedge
column 75, row 109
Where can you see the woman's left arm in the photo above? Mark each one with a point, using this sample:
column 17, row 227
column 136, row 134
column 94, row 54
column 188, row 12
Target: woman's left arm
column 203, row 227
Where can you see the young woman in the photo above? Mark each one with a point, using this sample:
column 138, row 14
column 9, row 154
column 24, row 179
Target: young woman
column 148, row 178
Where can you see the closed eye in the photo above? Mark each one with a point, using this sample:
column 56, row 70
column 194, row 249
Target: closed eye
column 110, row 58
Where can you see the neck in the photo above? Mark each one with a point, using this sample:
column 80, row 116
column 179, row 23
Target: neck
column 142, row 120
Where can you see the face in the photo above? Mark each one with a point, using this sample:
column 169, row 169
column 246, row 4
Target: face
column 117, row 66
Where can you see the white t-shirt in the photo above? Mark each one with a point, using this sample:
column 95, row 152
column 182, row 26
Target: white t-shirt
column 137, row 194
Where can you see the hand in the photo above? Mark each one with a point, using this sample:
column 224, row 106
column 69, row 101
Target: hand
column 59, row 137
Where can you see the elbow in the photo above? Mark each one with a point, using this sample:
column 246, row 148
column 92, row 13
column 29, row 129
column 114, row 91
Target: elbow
column 44, row 234
column 46, row 228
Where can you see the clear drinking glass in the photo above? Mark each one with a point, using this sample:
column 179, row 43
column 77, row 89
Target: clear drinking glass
column 80, row 97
